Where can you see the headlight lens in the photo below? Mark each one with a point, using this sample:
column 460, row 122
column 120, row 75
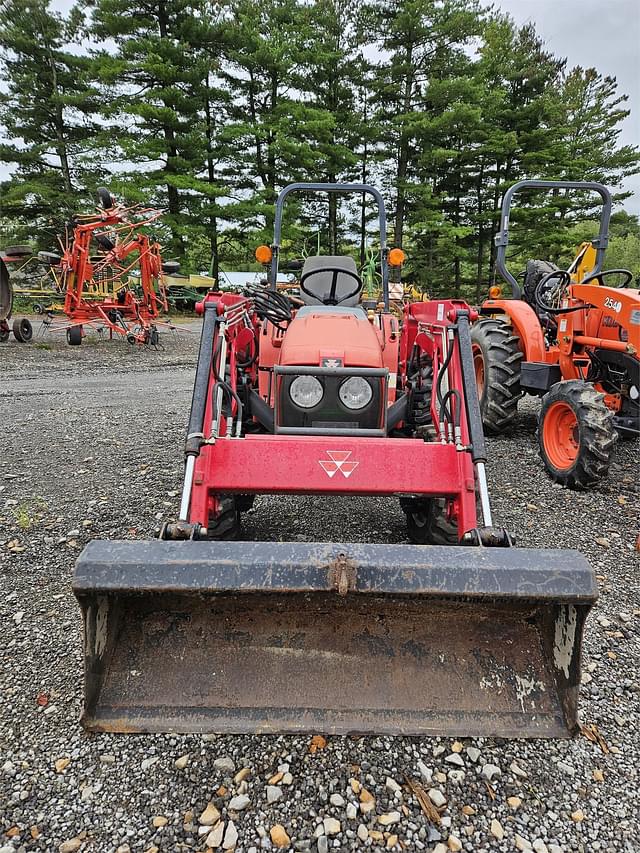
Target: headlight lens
column 355, row 393
column 306, row 391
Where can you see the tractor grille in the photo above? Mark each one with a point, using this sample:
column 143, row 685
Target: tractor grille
column 330, row 415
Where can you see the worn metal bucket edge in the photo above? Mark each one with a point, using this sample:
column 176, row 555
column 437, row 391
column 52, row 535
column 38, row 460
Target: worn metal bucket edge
column 210, row 567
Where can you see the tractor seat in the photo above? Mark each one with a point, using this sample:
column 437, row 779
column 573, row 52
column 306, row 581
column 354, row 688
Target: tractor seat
column 535, row 272
column 320, row 284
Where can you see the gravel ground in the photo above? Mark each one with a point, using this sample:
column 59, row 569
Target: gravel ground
column 92, row 442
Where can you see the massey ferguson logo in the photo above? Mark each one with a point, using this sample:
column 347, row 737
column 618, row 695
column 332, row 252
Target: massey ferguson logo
column 338, row 461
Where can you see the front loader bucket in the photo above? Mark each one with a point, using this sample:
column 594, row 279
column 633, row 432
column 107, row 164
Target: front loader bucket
column 310, row 637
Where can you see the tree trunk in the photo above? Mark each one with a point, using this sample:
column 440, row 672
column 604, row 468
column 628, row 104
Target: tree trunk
column 456, row 241
column 495, row 223
column 363, row 201
column 480, row 251
column 213, row 220
column 333, row 219
column 173, row 196
column 403, row 151
column 61, row 143
column 272, row 181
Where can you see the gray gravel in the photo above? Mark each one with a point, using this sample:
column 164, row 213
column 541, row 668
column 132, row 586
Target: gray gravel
column 91, row 447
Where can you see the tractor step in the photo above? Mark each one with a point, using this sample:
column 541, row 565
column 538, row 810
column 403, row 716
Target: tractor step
column 265, row 637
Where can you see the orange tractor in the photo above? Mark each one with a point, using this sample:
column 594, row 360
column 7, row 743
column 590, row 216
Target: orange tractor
column 570, row 337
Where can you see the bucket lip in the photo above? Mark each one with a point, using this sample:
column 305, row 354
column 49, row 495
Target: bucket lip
column 154, row 566
column 275, row 720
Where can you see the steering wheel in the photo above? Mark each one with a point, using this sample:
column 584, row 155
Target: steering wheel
column 331, row 298
column 563, row 280
column 600, row 276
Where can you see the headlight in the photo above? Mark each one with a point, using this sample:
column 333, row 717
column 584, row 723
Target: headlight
column 306, row 391
column 355, row 393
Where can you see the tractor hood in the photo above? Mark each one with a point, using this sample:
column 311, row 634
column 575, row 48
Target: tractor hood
column 326, row 332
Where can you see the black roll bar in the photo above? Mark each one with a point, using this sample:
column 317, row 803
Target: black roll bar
column 502, row 237
column 333, row 188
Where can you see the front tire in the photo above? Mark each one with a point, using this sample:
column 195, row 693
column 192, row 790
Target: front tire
column 226, row 524
column 428, row 521
column 496, row 358
column 576, row 435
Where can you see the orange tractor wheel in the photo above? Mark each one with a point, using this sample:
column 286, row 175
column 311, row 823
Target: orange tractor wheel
column 576, row 434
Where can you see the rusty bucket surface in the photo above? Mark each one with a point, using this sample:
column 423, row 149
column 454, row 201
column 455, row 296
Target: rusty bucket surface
column 337, row 638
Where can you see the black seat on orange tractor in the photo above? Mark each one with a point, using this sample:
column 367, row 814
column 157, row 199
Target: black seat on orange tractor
column 535, row 272
column 320, row 283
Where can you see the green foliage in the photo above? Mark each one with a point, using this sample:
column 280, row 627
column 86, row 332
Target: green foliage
column 47, row 108
column 209, row 108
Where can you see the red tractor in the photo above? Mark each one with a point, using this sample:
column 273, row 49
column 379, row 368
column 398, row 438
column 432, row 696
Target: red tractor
column 571, row 337
column 95, row 268
column 199, row 632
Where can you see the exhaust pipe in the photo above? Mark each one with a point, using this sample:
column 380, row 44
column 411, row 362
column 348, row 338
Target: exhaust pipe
column 266, row 637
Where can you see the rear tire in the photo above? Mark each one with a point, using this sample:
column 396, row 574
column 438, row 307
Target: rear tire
column 576, row 434
column 4, row 333
column 22, row 330
column 496, row 358
column 225, row 525
column 428, row 522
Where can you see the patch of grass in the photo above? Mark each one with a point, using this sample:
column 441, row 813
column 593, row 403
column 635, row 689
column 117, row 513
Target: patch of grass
column 28, row 512
column 23, row 516
column 42, row 346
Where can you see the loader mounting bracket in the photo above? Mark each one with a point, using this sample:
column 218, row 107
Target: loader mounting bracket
column 178, row 531
column 488, row 537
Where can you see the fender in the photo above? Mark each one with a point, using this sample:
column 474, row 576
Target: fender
column 524, row 322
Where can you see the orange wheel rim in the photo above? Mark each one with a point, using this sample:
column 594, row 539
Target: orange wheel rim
column 560, row 435
column 478, row 363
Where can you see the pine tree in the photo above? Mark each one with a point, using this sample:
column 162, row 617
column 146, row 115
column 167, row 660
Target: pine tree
column 269, row 135
column 151, row 89
column 520, row 81
column 593, row 112
column 423, row 39
column 331, row 71
column 47, row 107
